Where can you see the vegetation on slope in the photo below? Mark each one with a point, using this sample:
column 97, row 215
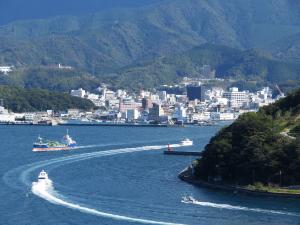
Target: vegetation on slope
column 109, row 40
column 258, row 147
column 52, row 79
column 251, row 69
column 252, row 66
column 21, row 100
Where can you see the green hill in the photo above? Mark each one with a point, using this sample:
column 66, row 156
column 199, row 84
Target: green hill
column 50, row 78
column 250, row 68
column 21, row 100
column 115, row 38
column 287, row 49
column 249, row 65
column 258, row 147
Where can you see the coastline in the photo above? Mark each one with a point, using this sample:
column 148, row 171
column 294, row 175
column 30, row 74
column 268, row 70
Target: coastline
column 186, row 175
column 91, row 124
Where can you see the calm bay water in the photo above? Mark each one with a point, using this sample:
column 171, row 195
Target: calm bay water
column 119, row 176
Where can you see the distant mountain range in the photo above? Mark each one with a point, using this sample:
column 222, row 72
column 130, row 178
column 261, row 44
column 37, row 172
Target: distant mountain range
column 254, row 68
column 114, row 39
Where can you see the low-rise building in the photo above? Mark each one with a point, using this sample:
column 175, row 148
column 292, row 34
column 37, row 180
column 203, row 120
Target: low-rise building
column 5, row 69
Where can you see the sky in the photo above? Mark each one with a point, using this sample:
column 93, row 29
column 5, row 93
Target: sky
column 11, row 10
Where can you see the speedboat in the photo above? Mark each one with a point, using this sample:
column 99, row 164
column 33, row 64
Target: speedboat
column 188, row 199
column 186, row 142
column 43, row 178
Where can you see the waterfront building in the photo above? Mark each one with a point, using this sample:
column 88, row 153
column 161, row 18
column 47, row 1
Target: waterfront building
column 126, row 104
column 162, row 96
column 108, row 94
column 73, row 112
column 171, row 98
column 112, row 103
column 155, row 112
column 196, row 92
column 236, row 98
column 132, row 114
column 222, row 116
column 155, row 98
column 5, row 116
column 144, row 94
column 146, row 103
column 180, row 113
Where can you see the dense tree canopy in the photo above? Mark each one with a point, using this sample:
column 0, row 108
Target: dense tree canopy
column 21, row 100
column 258, row 147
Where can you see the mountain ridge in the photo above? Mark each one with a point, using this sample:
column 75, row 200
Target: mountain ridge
column 111, row 40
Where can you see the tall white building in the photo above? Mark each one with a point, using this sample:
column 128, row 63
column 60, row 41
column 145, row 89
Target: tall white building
column 235, row 97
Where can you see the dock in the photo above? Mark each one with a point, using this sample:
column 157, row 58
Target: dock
column 184, row 153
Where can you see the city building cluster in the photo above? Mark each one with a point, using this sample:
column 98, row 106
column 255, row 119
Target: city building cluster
column 197, row 105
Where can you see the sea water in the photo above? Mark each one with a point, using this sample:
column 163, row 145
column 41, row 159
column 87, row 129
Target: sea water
column 119, row 175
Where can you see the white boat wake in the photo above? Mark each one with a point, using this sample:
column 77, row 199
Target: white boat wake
column 48, row 193
column 232, row 207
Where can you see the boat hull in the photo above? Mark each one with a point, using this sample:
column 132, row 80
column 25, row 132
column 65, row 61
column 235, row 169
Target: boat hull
column 51, row 149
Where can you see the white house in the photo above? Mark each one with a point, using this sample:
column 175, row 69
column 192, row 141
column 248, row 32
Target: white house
column 5, row 69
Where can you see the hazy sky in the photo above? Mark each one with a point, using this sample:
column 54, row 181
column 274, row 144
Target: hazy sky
column 11, row 10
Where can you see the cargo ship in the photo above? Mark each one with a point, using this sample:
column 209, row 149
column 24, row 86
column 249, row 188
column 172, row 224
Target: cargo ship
column 42, row 145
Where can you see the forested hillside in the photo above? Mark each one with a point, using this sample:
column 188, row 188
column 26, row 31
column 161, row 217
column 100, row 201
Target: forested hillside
column 21, row 100
column 114, row 38
column 258, row 147
column 251, row 67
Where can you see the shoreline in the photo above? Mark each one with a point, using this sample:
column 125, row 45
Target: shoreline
column 92, row 124
column 186, row 175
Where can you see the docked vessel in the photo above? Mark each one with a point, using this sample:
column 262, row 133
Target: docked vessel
column 186, row 142
column 42, row 145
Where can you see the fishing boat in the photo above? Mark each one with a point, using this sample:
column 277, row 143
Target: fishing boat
column 42, row 145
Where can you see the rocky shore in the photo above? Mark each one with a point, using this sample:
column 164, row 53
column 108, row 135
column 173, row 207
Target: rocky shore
column 187, row 176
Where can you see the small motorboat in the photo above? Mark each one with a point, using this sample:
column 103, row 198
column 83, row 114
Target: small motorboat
column 188, row 199
column 43, row 175
column 43, row 178
column 186, row 142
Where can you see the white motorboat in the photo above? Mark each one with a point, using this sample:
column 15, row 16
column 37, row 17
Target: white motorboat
column 186, row 142
column 43, row 178
column 188, row 199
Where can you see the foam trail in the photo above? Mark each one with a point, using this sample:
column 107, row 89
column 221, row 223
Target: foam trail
column 84, row 156
column 241, row 208
column 47, row 192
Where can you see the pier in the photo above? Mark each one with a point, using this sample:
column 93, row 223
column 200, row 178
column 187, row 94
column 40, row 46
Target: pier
column 183, row 153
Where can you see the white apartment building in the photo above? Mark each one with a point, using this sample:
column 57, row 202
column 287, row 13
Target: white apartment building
column 235, row 97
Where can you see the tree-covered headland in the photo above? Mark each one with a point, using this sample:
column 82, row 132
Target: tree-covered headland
column 262, row 147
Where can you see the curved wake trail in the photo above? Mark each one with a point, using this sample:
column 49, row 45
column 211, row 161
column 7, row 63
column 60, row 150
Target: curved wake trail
column 47, row 192
column 241, row 208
